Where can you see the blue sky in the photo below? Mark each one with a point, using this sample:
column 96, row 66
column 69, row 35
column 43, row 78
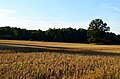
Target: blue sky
column 44, row 14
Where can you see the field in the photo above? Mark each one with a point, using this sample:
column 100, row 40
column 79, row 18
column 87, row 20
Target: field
column 53, row 60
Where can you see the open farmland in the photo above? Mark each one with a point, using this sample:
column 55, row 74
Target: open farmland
column 53, row 60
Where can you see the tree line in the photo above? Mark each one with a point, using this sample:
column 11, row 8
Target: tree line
column 96, row 33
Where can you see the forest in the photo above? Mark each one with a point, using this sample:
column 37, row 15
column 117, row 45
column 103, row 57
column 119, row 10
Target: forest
column 97, row 33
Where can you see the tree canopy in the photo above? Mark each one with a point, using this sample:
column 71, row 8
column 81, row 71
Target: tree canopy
column 99, row 25
column 97, row 32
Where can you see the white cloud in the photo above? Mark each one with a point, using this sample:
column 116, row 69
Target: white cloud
column 10, row 18
column 7, row 11
column 116, row 9
column 7, row 18
column 44, row 25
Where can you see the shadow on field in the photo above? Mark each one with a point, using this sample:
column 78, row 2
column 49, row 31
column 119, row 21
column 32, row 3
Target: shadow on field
column 23, row 48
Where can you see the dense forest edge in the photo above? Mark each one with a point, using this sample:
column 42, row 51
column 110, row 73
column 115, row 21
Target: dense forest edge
column 97, row 33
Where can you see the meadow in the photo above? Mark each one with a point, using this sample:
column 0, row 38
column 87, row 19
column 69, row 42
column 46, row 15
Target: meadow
column 53, row 60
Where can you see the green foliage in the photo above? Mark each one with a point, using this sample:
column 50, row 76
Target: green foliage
column 67, row 35
column 56, row 35
column 98, row 24
column 97, row 32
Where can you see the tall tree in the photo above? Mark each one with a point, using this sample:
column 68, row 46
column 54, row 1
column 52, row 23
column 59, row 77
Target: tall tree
column 96, row 31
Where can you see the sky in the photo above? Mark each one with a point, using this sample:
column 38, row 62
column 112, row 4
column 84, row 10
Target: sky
column 45, row 14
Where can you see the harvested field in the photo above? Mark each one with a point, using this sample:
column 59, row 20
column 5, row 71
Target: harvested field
column 53, row 60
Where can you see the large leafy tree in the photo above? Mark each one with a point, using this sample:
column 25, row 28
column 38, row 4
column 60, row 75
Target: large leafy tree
column 96, row 31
